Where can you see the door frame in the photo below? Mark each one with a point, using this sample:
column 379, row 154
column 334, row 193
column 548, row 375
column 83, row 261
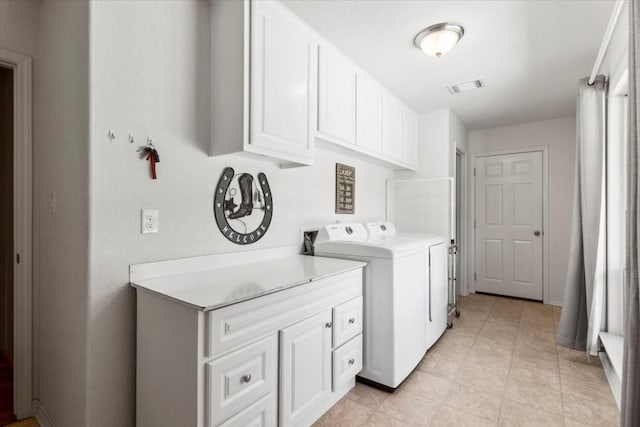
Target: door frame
column 545, row 213
column 23, row 231
column 462, row 235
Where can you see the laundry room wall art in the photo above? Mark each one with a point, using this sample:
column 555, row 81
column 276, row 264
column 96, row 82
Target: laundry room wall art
column 345, row 189
column 243, row 206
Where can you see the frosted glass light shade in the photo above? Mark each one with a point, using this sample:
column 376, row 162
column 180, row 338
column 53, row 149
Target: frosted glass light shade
column 438, row 39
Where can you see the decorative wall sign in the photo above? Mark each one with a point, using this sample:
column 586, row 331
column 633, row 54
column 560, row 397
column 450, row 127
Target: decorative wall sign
column 243, row 206
column 345, row 189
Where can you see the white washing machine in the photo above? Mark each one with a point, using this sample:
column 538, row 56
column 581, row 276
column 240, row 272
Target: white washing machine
column 436, row 271
column 394, row 297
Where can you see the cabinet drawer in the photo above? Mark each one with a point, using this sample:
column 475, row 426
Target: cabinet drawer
column 229, row 327
column 238, row 379
column 260, row 414
column 347, row 321
column 347, row 361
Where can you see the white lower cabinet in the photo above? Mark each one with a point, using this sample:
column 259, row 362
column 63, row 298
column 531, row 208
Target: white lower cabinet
column 260, row 414
column 305, row 367
column 282, row 359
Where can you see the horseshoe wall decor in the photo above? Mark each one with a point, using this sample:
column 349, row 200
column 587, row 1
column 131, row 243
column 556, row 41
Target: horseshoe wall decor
column 243, row 206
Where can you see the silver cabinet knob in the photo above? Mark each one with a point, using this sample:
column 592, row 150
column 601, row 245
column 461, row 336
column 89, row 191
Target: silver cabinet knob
column 352, row 320
column 536, row 233
column 246, row 378
column 328, row 325
column 352, row 361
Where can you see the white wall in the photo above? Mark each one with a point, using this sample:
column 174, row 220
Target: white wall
column 149, row 78
column 560, row 136
column 441, row 133
column 434, row 150
column 61, row 152
column 458, row 139
column 18, row 29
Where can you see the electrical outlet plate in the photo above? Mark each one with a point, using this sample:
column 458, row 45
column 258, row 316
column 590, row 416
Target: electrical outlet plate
column 149, row 221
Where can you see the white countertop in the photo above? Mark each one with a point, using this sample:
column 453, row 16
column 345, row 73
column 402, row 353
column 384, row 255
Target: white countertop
column 223, row 286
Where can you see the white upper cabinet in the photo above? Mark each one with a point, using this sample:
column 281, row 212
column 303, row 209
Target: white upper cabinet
column 369, row 114
column 336, row 96
column 392, row 127
column 410, row 137
column 282, row 60
column 264, row 64
column 277, row 86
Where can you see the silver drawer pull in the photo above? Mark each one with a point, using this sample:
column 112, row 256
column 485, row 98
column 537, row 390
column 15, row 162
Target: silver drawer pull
column 352, row 320
column 352, row 361
column 246, row 378
column 328, row 325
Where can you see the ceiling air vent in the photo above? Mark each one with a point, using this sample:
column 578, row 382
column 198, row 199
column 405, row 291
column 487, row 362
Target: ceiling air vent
column 465, row 86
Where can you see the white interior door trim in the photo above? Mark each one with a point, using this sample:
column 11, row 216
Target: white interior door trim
column 545, row 214
column 23, row 224
column 462, row 235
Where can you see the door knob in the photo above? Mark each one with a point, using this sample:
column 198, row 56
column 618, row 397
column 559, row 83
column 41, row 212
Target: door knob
column 328, row 325
column 536, row 233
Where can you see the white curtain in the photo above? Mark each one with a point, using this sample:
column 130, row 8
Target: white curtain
column 584, row 300
column 630, row 414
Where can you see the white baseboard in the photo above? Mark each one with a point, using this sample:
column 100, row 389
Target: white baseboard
column 41, row 415
column 555, row 302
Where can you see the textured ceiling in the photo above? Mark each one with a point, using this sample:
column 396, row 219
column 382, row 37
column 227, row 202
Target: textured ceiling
column 530, row 54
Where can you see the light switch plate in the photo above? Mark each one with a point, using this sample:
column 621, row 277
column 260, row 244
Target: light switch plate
column 149, row 221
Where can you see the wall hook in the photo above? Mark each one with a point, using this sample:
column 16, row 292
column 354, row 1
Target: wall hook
column 131, row 139
column 111, row 135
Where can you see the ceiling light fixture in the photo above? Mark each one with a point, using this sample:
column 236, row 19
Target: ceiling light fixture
column 438, row 39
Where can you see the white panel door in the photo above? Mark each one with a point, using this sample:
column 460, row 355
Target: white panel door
column 305, row 367
column 283, row 58
column 336, row 96
column 392, row 128
column 369, row 114
column 509, row 225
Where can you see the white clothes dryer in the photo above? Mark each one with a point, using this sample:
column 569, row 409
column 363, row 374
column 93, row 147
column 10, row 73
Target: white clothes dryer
column 437, row 276
column 394, row 294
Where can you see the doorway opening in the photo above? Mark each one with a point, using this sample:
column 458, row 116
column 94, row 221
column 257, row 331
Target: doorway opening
column 460, row 277
column 7, row 224
column 16, row 230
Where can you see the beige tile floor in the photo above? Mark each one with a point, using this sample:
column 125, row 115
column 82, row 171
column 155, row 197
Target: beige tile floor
column 498, row 366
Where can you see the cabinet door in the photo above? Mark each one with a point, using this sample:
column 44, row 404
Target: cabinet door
column 336, row 96
column 283, row 58
column 305, row 367
column 260, row 414
column 368, row 114
column 391, row 128
column 410, row 137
